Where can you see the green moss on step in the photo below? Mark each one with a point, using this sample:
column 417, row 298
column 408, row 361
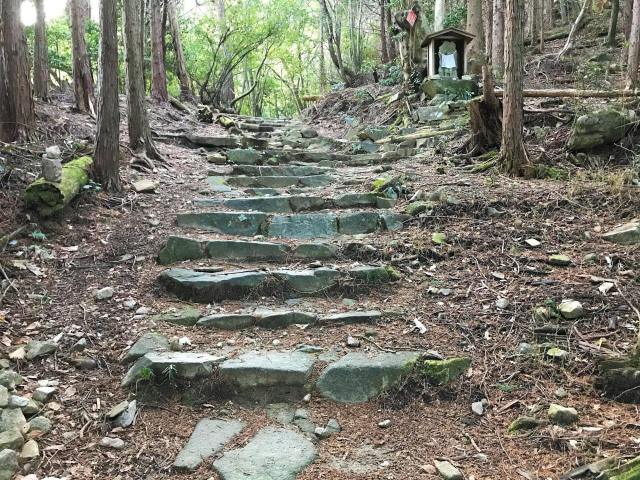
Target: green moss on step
column 441, row 372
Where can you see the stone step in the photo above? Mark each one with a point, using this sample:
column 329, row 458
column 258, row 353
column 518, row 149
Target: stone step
column 278, row 181
column 300, row 203
column 300, row 226
column 203, row 287
column 273, row 454
column 262, row 318
column 208, row 439
column 180, row 249
column 271, row 156
column 228, row 141
column 280, row 171
column 185, row 365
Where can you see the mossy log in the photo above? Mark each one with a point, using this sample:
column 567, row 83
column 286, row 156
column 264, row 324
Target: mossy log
column 48, row 198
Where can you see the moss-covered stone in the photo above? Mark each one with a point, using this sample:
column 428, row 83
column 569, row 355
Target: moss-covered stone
column 187, row 316
column 417, row 208
column 627, row 471
column 600, row 127
column 524, row 423
column 441, row 372
column 179, row 249
column 455, row 89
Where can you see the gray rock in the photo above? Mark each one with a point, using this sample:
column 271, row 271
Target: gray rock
column 246, row 250
column 560, row 260
column 36, row 349
column 51, row 169
column 40, row 424
column 600, row 127
column 227, row 321
column 281, row 412
column 8, row 464
column 562, row 415
column 11, row 439
column 352, row 342
column 571, row 309
column 179, row 249
column 104, row 293
column 627, row 234
column 447, row 471
column 384, row 423
column 268, row 376
column 243, row 156
column 260, row 204
column 149, row 342
column 16, row 401
column 53, row 151
column 274, row 454
column 358, row 377
column 12, row 419
column 333, row 426
column 208, row 438
column 43, row 394
column 477, row 408
column 32, row 408
column 304, row 226
column 126, row 417
column 222, row 142
column 358, row 223
column 315, row 251
column 187, row 366
column 111, row 442
column 4, row 396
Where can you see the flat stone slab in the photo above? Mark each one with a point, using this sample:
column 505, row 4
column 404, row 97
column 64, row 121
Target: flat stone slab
column 186, row 366
column 281, row 171
column 268, row 376
column 299, row 203
column 277, row 181
column 353, row 317
column 208, row 438
column 149, row 342
column 273, row 454
column 247, row 224
column 359, row 377
column 628, row 234
column 212, row 287
column 180, row 249
column 223, row 142
column 304, row 226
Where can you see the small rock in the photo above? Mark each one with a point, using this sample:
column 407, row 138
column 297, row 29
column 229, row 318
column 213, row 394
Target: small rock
column 307, row 398
column 524, row 423
column 352, row 342
column 477, row 408
column 126, row 417
column 430, row 469
column 104, row 293
column 16, row 401
column 129, row 304
column 143, row 311
column 36, row 349
column 4, row 396
column 560, row 260
column 447, row 471
column 53, row 152
column 348, row 302
column 384, row 423
column 18, row 354
column 30, row 451
column 32, row 408
column 118, row 409
column 590, row 258
column 9, row 379
column 11, row 439
column 84, row 363
column 80, row 345
column 40, row 425
column 556, row 353
column 43, row 394
column 111, row 442
column 502, row 303
column 12, row 419
column 571, row 309
column 562, row 415
column 145, row 186
column 532, row 242
column 560, row 393
column 333, row 426
column 524, row 349
column 322, row 433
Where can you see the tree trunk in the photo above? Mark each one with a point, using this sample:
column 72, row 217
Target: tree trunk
column 82, row 80
column 497, row 50
column 181, row 63
column 106, row 163
column 438, row 15
column 384, row 49
column 513, row 153
column 324, row 86
column 475, row 51
column 158, row 72
column 627, row 9
column 393, row 49
column 18, row 115
column 613, row 23
column 634, row 47
column 535, row 21
column 487, row 6
column 541, row 24
column 580, row 22
column 138, row 122
column 564, row 15
column 227, row 93
column 41, row 55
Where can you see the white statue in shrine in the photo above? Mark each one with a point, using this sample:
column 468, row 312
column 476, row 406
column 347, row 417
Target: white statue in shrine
column 448, row 54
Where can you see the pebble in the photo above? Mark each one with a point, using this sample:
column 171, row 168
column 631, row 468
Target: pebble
column 562, row 415
column 40, row 425
column 104, row 293
column 307, row 398
column 384, row 423
column 560, row 393
column 502, row 303
column 80, row 345
column 110, row 442
column 4, row 396
column 571, row 309
column 15, row 401
column 352, row 342
column 129, row 304
column 533, row 243
column 143, row 311
column 477, row 408
column 30, row 451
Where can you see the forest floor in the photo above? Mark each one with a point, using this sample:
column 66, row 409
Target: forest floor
column 474, row 295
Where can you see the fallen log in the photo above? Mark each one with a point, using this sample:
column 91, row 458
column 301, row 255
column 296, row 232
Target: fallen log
column 48, row 198
column 178, row 105
column 573, row 93
column 415, row 136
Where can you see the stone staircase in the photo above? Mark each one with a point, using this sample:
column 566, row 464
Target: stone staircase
column 282, row 202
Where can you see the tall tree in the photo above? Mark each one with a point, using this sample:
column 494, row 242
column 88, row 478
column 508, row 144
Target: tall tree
column 634, row 47
column 438, row 15
column 158, row 71
column 181, row 63
column 324, row 84
column 106, row 156
column 476, row 49
column 138, row 121
column 227, row 93
column 513, row 153
column 82, row 80
column 17, row 115
column 613, row 23
column 384, row 48
column 41, row 55
column 497, row 47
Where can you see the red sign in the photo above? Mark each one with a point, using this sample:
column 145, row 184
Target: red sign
column 412, row 17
